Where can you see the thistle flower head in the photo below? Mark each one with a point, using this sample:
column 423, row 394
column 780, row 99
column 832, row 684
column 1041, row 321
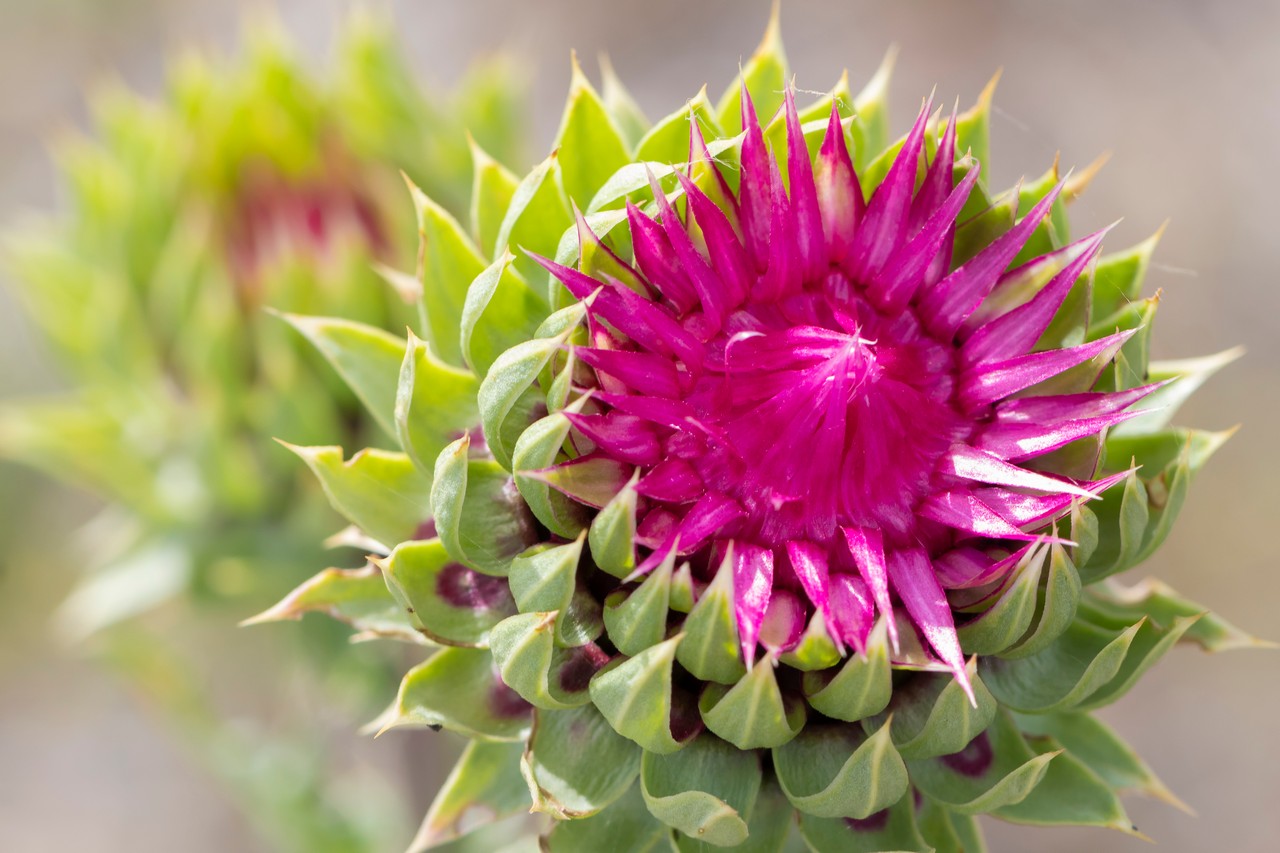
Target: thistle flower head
column 804, row 462
column 800, row 379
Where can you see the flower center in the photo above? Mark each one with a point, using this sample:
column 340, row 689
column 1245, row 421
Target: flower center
column 834, row 413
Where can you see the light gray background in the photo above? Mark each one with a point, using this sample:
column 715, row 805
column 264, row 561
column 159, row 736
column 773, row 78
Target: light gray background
column 1185, row 94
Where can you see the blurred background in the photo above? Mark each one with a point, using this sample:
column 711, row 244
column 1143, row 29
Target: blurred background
column 1184, row 94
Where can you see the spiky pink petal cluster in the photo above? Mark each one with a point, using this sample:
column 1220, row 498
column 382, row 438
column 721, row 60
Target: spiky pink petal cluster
column 802, row 375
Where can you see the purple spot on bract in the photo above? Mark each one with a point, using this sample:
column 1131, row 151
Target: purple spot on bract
column 426, row 530
column 459, row 586
column 685, row 722
column 871, row 823
column 974, row 760
column 505, row 702
column 583, row 662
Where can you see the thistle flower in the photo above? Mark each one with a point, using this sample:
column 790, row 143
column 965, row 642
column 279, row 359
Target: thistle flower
column 796, row 491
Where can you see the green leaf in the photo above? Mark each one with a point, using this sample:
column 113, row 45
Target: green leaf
column 1118, row 277
column 449, row 603
column 870, row 129
column 626, row 113
column 862, row 687
column 545, row 578
column 531, row 664
column 1160, row 603
column 752, row 714
column 590, row 145
column 949, row 832
column 765, row 76
column 1185, row 377
column 537, row 449
column 637, row 698
column 1070, row 794
column 995, row 769
column 973, row 126
column 434, row 404
column 479, row 515
column 838, row 771
column 1010, row 616
column 576, row 764
column 668, row 140
column 613, row 531
column 893, row 828
column 930, row 715
column 484, row 787
column 492, row 188
column 1065, row 674
column 1149, row 645
column 459, row 689
column 816, row 650
column 448, row 263
column 501, row 310
column 628, row 818
column 706, row 790
column 367, row 359
column 382, row 493
column 710, row 650
column 538, row 215
column 637, row 619
column 1091, row 742
column 358, row 597
column 503, row 391
column 1055, row 606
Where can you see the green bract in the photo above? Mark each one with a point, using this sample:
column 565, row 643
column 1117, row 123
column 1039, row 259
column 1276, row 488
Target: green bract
column 636, row 721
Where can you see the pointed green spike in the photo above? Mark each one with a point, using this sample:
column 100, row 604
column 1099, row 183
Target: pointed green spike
column 590, row 144
column 816, row 650
column 536, row 218
column 501, row 311
column 1070, row 794
column 459, row 689
column 893, row 828
column 612, row 534
column 1055, row 606
column 537, row 450
column 637, row 619
column 449, row 603
column 576, row 765
column 434, row 403
column 1185, row 377
column 530, row 663
column 752, row 714
column 358, row 597
column 484, row 787
column 545, row 578
column 995, row 769
column 973, row 126
column 710, row 650
column 1069, row 671
column 1010, row 615
column 870, row 128
column 861, row 688
column 1149, row 645
column 492, row 188
column 706, row 790
column 1118, row 277
column 668, row 140
column 622, row 107
column 765, row 76
column 382, row 493
column 840, row 772
column 448, row 262
column 947, row 831
column 367, row 359
column 479, row 515
column 930, row 715
column 1159, row 602
column 504, row 392
column 636, row 697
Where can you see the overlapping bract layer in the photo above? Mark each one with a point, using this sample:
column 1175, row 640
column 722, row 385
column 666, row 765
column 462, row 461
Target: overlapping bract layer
column 795, row 388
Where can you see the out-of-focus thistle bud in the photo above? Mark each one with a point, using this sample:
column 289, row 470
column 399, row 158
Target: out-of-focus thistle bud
column 803, row 463
column 247, row 184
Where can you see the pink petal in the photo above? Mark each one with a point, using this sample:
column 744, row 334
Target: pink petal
column 656, row 260
column 671, row 481
column 917, row 585
column 620, row 435
column 728, row 255
column 641, row 372
column 867, row 546
column 712, row 293
column 854, row 612
column 972, row 464
column 839, row 194
column 783, row 623
column 810, row 564
column 755, row 192
column 985, row 384
column 752, row 588
column 807, row 219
